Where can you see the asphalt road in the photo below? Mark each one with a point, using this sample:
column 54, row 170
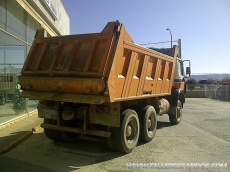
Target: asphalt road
column 203, row 136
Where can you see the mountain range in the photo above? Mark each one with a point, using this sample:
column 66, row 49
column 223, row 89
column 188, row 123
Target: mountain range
column 209, row 76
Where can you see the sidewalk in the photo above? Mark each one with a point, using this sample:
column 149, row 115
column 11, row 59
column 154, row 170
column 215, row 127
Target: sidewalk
column 18, row 131
column 7, row 113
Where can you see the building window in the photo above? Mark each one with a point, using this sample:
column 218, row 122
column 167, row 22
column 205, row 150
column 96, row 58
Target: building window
column 2, row 14
column 16, row 19
column 17, row 31
column 32, row 27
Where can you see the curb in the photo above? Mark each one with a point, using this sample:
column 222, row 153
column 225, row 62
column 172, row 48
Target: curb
column 35, row 129
column 17, row 119
column 19, row 140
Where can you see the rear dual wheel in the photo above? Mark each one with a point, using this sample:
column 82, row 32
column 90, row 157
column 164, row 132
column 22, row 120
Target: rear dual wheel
column 148, row 123
column 125, row 137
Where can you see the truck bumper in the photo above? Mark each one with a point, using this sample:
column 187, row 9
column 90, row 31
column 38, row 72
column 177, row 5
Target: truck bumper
column 75, row 130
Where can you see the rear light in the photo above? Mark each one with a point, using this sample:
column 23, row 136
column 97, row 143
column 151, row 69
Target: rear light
column 102, row 109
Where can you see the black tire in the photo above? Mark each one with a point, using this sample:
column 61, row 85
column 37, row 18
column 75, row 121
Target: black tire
column 3, row 101
column 125, row 137
column 52, row 134
column 148, row 123
column 175, row 113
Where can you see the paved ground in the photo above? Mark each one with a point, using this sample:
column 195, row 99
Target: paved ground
column 17, row 132
column 203, row 136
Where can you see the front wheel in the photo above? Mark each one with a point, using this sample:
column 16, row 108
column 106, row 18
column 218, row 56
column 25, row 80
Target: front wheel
column 175, row 113
column 125, row 138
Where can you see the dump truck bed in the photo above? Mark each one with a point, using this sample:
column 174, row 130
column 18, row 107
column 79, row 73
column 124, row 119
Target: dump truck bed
column 95, row 68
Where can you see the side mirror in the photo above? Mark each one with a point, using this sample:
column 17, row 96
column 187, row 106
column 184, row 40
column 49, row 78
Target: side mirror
column 188, row 71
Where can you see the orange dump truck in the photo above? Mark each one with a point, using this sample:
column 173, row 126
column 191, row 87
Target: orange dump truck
column 104, row 85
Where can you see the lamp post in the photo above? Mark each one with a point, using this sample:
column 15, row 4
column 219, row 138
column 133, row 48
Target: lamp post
column 171, row 35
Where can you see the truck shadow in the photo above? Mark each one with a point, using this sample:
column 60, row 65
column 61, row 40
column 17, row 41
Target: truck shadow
column 8, row 142
column 87, row 151
column 160, row 125
column 163, row 124
column 91, row 148
column 65, row 156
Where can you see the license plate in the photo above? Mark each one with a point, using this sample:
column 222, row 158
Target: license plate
column 48, row 113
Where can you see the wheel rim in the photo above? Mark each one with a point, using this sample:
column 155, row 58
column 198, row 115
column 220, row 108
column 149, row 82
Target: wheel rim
column 150, row 124
column 178, row 111
column 131, row 131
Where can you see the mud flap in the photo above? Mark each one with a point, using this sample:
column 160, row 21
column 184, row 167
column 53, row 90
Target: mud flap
column 177, row 94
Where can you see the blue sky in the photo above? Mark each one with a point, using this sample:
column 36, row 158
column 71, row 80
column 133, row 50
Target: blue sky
column 202, row 25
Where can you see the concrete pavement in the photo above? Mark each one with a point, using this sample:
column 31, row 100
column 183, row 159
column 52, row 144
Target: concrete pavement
column 16, row 131
column 202, row 137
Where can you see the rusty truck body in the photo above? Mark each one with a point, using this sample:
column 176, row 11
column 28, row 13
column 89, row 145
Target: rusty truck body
column 104, row 85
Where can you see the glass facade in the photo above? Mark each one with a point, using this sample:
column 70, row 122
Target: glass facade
column 17, row 31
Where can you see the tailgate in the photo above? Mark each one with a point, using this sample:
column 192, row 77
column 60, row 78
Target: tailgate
column 74, row 55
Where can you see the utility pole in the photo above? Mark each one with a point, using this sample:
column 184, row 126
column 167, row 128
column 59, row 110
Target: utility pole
column 170, row 35
column 179, row 45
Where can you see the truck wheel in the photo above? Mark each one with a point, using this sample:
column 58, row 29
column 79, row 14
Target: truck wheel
column 148, row 123
column 3, row 101
column 175, row 113
column 125, row 137
column 52, row 134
